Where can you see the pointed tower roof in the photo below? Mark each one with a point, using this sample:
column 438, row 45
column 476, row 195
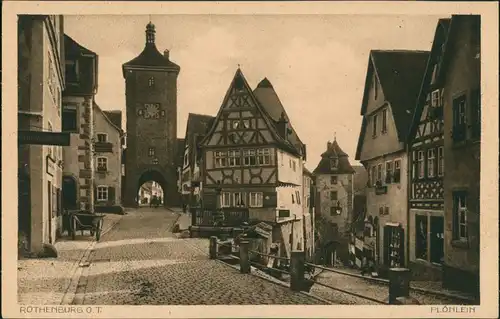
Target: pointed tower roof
column 333, row 152
column 150, row 56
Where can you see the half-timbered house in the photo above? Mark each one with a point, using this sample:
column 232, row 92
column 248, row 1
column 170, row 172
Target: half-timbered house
column 426, row 160
column 392, row 84
column 253, row 162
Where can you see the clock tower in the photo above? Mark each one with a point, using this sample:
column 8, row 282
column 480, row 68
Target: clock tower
column 151, row 98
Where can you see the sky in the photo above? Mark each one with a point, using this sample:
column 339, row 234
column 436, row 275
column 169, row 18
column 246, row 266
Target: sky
column 316, row 63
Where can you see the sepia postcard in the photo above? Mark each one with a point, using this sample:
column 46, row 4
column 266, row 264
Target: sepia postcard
column 249, row 159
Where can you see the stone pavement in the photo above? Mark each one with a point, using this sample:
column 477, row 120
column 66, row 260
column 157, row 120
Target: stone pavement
column 47, row 281
column 140, row 262
column 370, row 288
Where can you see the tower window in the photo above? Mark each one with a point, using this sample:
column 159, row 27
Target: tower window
column 151, row 152
column 151, row 82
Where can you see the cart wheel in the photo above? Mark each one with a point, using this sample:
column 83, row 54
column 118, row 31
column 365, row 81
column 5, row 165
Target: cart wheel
column 98, row 230
column 73, row 228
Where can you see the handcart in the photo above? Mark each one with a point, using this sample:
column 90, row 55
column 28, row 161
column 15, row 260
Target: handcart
column 85, row 220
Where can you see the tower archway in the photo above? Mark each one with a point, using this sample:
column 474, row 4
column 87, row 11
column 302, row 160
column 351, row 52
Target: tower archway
column 151, row 189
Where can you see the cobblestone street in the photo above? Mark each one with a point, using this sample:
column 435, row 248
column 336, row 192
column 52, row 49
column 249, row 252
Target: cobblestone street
column 141, row 262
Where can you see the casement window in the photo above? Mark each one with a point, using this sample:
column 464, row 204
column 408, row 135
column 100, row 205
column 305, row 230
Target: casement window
column 249, row 158
column 151, row 81
column 102, row 193
column 220, row 159
column 69, row 121
column 156, row 161
column 384, row 121
column 294, row 167
column 440, row 166
column 381, row 210
column 238, row 200
column 333, row 180
column 225, row 199
column 460, row 216
column 397, row 171
column 152, row 151
column 421, row 164
column 435, row 98
column 374, row 175
column 388, row 172
column 234, row 158
column 459, row 118
column 102, row 137
column 256, row 199
column 297, row 195
column 264, row 156
column 333, row 195
column 102, row 164
column 475, row 116
column 375, row 119
column 386, row 210
column 431, row 160
column 379, row 173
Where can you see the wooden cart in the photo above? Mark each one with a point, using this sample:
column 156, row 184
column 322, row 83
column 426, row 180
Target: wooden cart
column 84, row 220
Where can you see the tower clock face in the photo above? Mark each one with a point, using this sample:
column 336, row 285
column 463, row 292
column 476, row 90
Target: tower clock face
column 151, row 111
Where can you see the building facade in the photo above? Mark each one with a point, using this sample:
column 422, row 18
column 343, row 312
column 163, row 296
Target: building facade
column 151, row 98
column 253, row 161
column 81, row 75
column 335, row 188
column 392, row 84
column 107, row 141
column 40, row 83
column 462, row 149
column 308, row 193
column 190, row 177
column 426, row 162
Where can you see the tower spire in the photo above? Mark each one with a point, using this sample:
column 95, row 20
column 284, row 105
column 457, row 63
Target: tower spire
column 150, row 33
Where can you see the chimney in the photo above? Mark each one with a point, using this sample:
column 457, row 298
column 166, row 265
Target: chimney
column 282, row 126
column 166, row 54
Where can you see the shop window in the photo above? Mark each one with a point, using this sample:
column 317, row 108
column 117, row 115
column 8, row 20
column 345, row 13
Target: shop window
column 421, row 237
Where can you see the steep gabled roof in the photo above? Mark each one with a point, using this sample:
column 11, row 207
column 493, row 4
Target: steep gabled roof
column 441, row 28
column 197, row 125
column 150, row 56
column 333, row 150
column 107, row 119
column 268, row 98
column 239, row 79
column 400, row 75
column 115, row 117
column 74, row 49
column 453, row 33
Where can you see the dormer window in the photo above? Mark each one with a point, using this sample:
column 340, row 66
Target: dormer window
column 334, row 163
column 71, row 71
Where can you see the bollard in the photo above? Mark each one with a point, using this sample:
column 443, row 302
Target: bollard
column 297, row 270
column 399, row 284
column 213, row 247
column 244, row 258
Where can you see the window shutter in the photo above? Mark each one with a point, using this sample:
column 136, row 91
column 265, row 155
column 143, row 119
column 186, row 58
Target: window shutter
column 402, row 246
column 270, row 199
column 111, row 194
column 387, row 241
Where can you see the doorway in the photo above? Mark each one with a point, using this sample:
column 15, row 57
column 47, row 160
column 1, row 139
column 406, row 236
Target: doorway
column 69, row 193
column 437, row 239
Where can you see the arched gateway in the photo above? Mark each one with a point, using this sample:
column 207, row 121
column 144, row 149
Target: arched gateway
column 151, row 98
